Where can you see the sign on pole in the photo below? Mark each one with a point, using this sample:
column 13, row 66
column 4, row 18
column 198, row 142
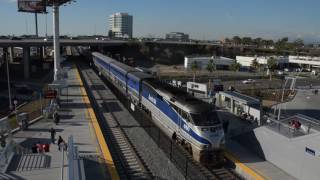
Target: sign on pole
column 33, row 6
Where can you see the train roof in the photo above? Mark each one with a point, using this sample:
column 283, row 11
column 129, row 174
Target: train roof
column 137, row 75
column 103, row 57
column 179, row 96
column 122, row 67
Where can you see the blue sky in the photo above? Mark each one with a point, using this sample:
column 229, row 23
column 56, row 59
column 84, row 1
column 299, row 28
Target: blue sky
column 202, row 19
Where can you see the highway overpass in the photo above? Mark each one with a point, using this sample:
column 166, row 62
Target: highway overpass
column 63, row 42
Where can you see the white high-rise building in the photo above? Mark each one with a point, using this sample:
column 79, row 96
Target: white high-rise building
column 121, row 25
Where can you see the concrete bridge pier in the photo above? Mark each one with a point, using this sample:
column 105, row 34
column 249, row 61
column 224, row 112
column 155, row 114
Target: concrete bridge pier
column 11, row 52
column 26, row 62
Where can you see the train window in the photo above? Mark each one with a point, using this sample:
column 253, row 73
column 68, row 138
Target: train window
column 159, row 97
column 185, row 115
column 205, row 118
column 175, row 107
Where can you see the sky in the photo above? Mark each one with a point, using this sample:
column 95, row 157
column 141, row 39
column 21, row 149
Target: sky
column 201, row 19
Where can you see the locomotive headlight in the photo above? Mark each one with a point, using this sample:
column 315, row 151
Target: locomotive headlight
column 206, row 146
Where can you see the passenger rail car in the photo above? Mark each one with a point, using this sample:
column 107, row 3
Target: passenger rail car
column 189, row 121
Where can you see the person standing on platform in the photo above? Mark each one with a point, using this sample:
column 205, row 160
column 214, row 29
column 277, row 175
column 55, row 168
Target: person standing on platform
column 56, row 118
column 53, row 134
column 60, row 143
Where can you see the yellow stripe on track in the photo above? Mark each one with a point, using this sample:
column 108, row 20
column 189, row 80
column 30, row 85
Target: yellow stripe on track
column 102, row 142
column 243, row 167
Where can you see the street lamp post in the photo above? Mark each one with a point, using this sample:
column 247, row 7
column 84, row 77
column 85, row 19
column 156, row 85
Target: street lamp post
column 15, row 102
column 8, row 75
column 56, row 42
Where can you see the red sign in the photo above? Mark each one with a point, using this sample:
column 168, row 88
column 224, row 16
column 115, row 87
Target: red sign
column 50, row 94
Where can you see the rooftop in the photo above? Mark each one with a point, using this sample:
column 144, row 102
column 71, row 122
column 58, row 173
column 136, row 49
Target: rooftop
column 308, row 126
column 240, row 97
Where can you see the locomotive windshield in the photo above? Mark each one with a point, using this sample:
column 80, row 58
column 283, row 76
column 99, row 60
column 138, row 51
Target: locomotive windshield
column 205, row 118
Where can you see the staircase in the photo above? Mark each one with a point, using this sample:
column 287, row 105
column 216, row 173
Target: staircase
column 24, row 160
column 29, row 162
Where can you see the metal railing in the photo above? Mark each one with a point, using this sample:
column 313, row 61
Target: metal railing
column 282, row 127
column 75, row 164
column 6, row 154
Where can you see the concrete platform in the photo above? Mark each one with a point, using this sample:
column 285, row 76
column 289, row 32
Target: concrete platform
column 248, row 163
column 75, row 121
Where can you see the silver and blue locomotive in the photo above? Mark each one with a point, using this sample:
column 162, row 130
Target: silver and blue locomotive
column 187, row 120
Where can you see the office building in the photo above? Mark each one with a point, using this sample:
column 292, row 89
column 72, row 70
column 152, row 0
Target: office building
column 203, row 61
column 177, row 36
column 120, row 25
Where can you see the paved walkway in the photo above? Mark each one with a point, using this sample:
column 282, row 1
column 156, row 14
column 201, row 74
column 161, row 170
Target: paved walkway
column 74, row 121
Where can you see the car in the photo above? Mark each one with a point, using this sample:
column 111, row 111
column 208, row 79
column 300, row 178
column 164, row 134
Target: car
column 48, row 39
column 280, row 72
column 248, row 81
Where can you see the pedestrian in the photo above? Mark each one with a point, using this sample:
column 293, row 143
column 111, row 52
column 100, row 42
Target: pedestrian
column 34, row 148
column 56, row 118
column 39, row 147
column 53, row 134
column 3, row 141
column 60, row 142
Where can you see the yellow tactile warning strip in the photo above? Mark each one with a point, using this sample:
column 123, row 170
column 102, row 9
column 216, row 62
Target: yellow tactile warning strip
column 102, row 142
column 244, row 168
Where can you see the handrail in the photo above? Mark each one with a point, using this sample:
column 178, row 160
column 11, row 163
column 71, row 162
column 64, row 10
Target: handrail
column 75, row 171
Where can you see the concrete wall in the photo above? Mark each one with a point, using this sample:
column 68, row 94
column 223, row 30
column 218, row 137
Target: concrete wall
column 204, row 61
column 308, row 60
column 263, row 60
column 290, row 154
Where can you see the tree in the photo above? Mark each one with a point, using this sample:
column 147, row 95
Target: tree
column 258, row 42
column 227, row 41
column 272, row 65
column 194, row 68
column 282, row 44
column 211, row 66
column 236, row 40
column 255, row 64
column 235, row 67
column 247, row 41
column 298, row 43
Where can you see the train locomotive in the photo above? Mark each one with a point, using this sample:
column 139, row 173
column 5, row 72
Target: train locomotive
column 187, row 120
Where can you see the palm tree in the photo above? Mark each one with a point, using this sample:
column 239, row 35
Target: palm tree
column 235, row 67
column 247, row 40
column 255, row 64
column 236, row 40
column 272, row 64
column 211, row 66
column 194, row 68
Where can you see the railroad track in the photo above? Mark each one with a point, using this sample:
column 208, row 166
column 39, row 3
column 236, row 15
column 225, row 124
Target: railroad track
column 126, row 158
column 222, row 173
column 208, row 172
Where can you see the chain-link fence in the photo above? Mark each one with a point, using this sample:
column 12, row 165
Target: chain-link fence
column 33, row 108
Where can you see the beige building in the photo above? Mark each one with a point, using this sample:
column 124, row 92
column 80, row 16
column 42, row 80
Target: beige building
column 121, row 25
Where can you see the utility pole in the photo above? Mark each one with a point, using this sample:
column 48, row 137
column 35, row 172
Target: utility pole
column 56, row 42
column 8, row 75
column 36, row 21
